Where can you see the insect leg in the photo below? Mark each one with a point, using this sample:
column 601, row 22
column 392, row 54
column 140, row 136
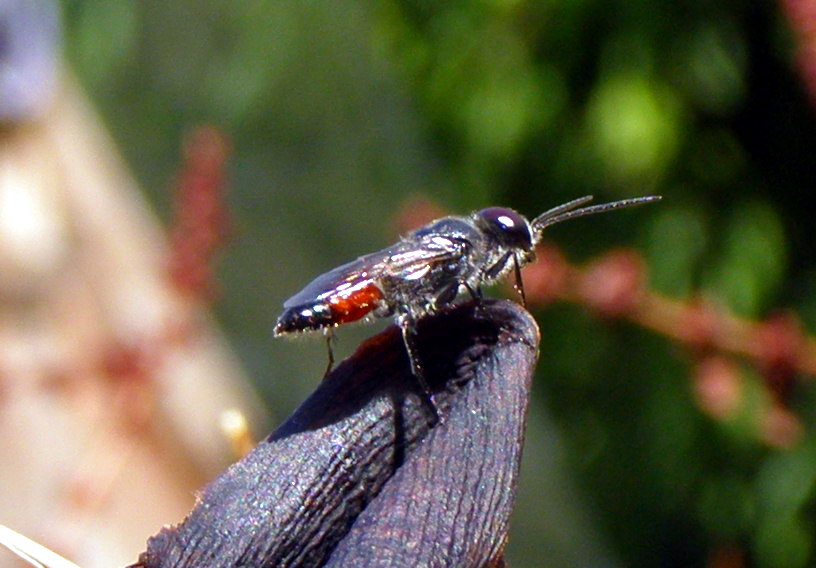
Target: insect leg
column 493, row 272
column 406, row 324
column 519, row 282
column 329, row 339
column 475, row 293
column 447, row 295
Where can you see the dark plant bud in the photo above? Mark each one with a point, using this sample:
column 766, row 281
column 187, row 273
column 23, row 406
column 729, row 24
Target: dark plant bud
column 363, row 475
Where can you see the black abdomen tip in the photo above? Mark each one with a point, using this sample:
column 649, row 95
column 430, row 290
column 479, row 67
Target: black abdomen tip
column 308, row 317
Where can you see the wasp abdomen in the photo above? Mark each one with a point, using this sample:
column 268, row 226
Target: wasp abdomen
column 334, row 309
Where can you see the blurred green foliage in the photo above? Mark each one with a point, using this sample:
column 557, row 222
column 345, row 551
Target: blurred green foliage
column 338, row 111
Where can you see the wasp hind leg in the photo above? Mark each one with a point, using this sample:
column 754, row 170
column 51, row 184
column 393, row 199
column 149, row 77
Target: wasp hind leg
column 330, row 338
column 408, row 329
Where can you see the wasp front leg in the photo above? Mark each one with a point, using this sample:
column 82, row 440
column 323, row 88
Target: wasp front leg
column 519, row 284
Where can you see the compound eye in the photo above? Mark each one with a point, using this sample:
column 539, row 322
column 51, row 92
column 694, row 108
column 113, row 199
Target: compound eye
column 506, row 225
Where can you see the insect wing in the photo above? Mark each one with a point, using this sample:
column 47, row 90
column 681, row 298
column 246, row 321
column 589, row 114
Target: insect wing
column 415, row 260
column 352, row 275
column 405, row 260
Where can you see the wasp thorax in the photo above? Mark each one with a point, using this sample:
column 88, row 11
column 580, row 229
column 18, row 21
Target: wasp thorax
column 509, row 228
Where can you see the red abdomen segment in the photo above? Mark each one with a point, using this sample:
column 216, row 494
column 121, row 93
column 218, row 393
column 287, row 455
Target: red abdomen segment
column 353, row 304
column 337, row 308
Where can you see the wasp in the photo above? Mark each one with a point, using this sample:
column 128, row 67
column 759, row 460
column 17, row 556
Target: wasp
column 429, row 269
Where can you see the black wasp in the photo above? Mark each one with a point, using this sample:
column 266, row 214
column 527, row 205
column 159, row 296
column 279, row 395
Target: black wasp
column 428, row 269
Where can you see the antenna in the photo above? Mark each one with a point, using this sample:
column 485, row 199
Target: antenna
column 568, row 210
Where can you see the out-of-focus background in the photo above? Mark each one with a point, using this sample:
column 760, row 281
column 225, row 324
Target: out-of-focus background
column 673, row 417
